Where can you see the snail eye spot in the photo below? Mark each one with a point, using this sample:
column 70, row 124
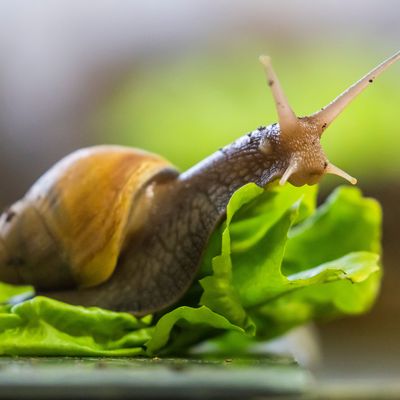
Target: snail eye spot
column 10, row 214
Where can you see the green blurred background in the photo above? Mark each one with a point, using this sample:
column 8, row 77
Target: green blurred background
column 182, row 78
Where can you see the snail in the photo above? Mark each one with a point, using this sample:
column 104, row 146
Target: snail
column 122, row 229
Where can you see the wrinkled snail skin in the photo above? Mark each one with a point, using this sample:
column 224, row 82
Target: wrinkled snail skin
column 120, row 228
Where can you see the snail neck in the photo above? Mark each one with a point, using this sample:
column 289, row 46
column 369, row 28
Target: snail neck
column 217, row 177
column 186, row 210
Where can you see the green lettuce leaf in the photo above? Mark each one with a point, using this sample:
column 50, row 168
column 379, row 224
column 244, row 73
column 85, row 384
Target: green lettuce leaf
column 8, row 292
column 345, row 223
column 197, row 322
column 296, row 269
column 43, row 326
column 347, row 285
column 275, row 263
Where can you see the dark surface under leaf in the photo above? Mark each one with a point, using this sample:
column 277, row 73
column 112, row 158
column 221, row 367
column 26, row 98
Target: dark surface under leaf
column 151, row 378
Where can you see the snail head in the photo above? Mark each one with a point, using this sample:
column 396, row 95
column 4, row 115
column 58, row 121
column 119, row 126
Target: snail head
column 299, row 137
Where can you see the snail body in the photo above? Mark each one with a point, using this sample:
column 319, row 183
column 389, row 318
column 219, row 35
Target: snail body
column 122, row 229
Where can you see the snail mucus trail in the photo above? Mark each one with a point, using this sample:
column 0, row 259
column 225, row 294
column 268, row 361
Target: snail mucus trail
column 121, row 229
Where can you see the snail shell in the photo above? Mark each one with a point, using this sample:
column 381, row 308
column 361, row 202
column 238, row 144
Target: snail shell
column 69, row 229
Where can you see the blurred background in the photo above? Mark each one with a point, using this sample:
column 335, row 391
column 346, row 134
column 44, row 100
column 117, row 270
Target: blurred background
column 182, row 78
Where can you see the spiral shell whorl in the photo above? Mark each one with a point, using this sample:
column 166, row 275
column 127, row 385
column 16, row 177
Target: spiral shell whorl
column 69, row 228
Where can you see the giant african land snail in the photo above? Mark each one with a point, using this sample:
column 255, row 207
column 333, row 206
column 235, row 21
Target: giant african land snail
column 122, row 229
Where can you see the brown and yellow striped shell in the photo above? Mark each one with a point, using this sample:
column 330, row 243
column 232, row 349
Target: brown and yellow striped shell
column 69, row 228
